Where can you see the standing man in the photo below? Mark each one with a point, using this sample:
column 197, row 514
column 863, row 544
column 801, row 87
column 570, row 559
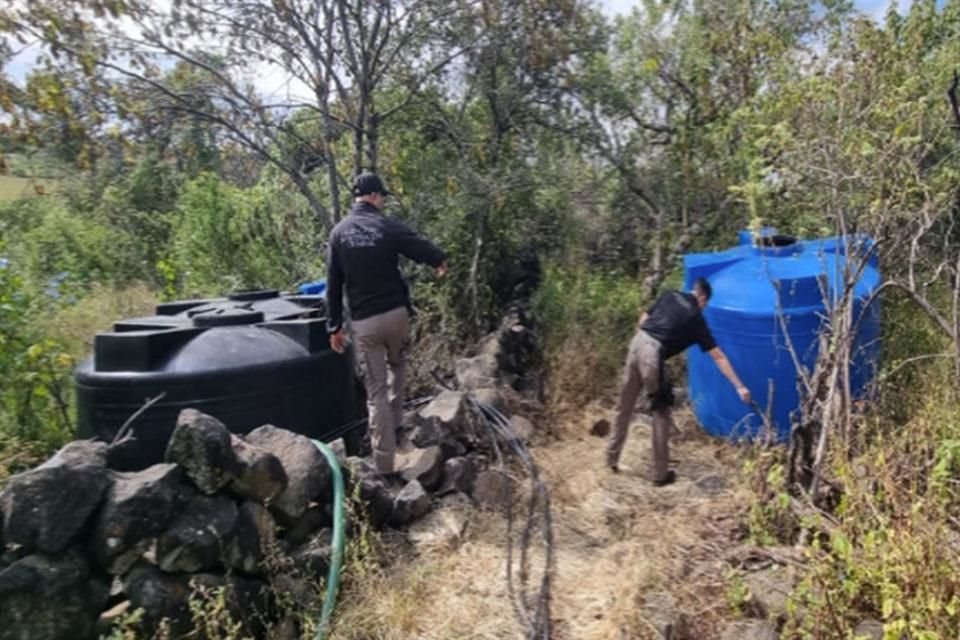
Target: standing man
column 363, row 257
column 673, row 323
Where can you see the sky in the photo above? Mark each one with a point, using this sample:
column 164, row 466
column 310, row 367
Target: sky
column 270, row 85
column 875, row 8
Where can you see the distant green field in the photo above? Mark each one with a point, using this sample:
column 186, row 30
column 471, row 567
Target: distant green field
column 12, row 187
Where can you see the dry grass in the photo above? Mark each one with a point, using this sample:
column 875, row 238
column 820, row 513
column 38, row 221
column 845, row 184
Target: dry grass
column 582, row 369
column 442, row 592
column 13, row 187
column 623, row 548
column 77, row 325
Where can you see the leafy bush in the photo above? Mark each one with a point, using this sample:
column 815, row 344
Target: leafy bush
column 892, row 552
column 227, row 238
column 47, row 239
column 888, row 548
column 34, row 398
column 588, row 318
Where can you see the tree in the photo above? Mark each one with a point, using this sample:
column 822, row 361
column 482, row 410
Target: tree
column 660, row 107
column 338, row 53
column 488, row 119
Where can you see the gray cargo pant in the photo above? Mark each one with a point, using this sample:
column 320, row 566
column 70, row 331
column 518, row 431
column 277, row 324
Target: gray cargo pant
column 642, row 373
column 382, row 342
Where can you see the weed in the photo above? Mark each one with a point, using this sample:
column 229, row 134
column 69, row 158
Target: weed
column 738, row 595
column 588, row 319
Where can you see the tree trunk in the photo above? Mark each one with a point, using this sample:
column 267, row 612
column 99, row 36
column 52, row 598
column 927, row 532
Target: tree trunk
column 323, row 214
column 358, row 138
column 329, row 125
column 373, row 140
column 474, row 287
column 332, row 177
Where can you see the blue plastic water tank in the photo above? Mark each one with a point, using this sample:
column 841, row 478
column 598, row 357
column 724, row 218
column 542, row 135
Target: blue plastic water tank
column 767, row 295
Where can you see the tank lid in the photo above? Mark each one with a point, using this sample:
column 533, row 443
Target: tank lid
column 177, row 307
column 777, row 246
column 769, row 242
column 223, row 316
column 249, row 295
column 746, row 237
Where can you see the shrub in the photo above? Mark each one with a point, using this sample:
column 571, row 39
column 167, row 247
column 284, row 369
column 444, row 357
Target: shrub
column 588, row 318
column 47, row 240
column 34, row 398
column 228, row 238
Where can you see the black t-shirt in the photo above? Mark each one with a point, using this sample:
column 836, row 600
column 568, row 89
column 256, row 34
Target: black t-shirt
column 676, row 321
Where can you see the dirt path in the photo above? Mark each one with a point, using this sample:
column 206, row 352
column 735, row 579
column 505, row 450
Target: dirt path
column 629, row 557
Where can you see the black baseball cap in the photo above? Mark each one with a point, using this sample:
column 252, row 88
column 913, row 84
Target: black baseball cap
column 367, row 183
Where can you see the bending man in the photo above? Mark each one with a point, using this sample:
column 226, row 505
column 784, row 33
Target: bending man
column 363, row 258
column 673, row 323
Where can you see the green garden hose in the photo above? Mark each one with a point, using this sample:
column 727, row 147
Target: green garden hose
column 336, row 561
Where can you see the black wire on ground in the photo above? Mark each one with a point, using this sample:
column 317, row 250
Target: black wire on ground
column 537, row 624
column 539, row 627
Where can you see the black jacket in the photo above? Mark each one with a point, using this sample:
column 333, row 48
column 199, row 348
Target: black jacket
column 363, row 255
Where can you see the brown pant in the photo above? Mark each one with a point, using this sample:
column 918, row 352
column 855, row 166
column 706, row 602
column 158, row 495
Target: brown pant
column 642, row 373
column 381, row 349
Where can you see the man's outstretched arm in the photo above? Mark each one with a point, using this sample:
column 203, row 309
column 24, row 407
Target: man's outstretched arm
column 417, row 248
column 720, row 358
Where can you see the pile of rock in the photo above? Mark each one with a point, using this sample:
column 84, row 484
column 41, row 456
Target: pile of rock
column 80, row 538
column 504, row 359
column 81, row 541
column 249, row 515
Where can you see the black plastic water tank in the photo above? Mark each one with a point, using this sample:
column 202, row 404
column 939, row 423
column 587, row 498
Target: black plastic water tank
column 250, row 359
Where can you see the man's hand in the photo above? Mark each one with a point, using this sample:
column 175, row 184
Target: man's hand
column 338, row 341
column 727, row 370
column 442, row 269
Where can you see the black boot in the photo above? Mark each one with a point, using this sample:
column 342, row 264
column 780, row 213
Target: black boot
column 670, row 478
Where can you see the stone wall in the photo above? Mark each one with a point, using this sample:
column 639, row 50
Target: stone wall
column 251, row 516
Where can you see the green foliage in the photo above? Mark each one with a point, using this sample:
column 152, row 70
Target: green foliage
column 37, row 164
column 227, row 238
column 889, row 549
column 588, row 319
column 34, row 398
column 494, row 201
column 210, row 609
column 50, row 239
column 770, row 519
column 14, row 187
column 863, row 133
column 738, row 594
column 83, row 250
column 126, row 627
column 893, row 555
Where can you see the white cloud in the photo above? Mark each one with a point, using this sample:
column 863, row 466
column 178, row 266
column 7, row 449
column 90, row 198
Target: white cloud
column 877, row 9
column 617, row 7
